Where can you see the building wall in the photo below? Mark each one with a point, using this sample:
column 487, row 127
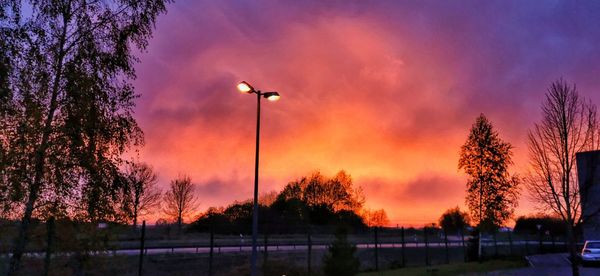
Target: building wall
column 588, row 170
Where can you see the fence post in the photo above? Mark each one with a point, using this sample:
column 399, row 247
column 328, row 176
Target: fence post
column 426, row 246
column 446, row 244
column 510, row 244
column 526, row 246
column 142, row 240
column 541, row 250
column 462, row 242
column 50, row 233
column 495, row 246
column 416, row 240
column 403, row 248
column 309, row 251
column 376, row 250
column 210, row 254
column 266, row 253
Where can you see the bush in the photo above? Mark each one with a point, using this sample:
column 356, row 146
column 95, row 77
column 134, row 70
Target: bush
column 340, row 259
column 473, row 247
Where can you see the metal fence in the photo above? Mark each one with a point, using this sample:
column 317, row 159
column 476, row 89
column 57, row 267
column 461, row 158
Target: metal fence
column 153, row 251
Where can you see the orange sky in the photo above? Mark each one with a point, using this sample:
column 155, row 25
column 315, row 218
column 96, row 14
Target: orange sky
column 386, row 91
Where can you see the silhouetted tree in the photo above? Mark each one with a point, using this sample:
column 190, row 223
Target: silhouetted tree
column 337, row 193
column 454, row 221
column 143, row 194
column 291, row 212
column 569, row 125
column 491, row 191
column 314, row 200
column 70, row 64
column 528, row 225
column 180, row 201
column 213, row 219
column 340, row 259
column 375, row 217
column 5, row 125
column 266, row 199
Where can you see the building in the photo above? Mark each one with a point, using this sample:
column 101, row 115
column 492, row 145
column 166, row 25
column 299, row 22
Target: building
column 588, row 170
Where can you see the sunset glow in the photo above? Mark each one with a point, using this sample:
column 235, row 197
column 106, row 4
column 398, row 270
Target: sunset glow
column 385, row 90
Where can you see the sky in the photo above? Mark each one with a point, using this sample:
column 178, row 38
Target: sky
column 385, row 90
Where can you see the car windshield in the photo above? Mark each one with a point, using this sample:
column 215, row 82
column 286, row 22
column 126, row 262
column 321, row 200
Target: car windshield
column 594, row 245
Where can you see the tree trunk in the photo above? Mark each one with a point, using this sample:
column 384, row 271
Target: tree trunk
column 179, row 223
column 40, row 156
column 50, row 237
column 135, row 215
column 573, row 250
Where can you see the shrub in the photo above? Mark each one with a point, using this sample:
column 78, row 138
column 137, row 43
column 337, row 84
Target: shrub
column 340, row 259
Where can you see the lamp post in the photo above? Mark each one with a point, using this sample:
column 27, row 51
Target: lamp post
column 246, row 88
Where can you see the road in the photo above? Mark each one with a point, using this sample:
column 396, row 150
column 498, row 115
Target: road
column 547, row 265
column 244, row 246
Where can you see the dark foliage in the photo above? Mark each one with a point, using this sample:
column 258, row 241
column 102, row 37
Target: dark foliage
column 280, row 217
column 528, row 225
column 313, row 200
column 454, row 221
column 473, row 246
column 340, row 259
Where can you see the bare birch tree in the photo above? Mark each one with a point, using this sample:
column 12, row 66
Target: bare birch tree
column 143, row 194
column 180, row 201
column 569, row 125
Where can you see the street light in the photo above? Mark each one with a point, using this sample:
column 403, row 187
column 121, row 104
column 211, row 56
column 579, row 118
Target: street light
column 246, row 88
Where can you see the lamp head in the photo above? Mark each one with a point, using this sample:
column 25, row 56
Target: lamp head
column 245, row 87
column 271, row 96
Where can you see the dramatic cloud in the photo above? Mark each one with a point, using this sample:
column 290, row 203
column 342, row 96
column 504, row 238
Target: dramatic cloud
column 385, row 90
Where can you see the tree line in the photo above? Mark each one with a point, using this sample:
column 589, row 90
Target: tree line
column 314, row 200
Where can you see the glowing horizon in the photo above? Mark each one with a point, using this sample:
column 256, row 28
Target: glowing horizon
column 386, row 91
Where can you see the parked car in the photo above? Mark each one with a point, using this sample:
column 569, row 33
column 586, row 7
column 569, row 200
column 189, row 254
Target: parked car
column 590, row 254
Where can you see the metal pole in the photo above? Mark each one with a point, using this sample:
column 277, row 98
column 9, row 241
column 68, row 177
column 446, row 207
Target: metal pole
column 462, row 242
column 426, row 246
column 309, row 251
column 495, row 246
column 255, row 207
column 50, row 234
column 376, row 250
column 541, row 251
column 210, row 255
column 266, row 252
column 446, row 245
column 526, row 246
column 403, row 249
column 510, row 243
column 142, row 239
column 479, row 248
